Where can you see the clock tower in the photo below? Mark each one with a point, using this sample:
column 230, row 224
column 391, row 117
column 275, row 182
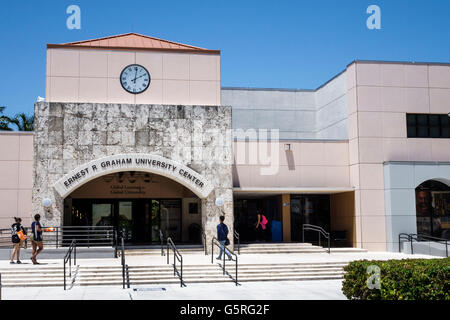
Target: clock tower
column 132, row 134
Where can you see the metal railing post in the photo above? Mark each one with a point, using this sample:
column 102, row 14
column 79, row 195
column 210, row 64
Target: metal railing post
column 181, row 280
column 57, row 231
column 329, row 249
column 212, row 250
column 64, row 275
column 123, row 276
column 75, row 253
column 168, row 253
column 128, row 276
column 224, row 254
column 115, row 243
column 236, row 270
column 161, row 238
column 303, row 234
column 446, row 249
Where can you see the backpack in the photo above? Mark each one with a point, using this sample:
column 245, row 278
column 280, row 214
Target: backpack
column 264, row 222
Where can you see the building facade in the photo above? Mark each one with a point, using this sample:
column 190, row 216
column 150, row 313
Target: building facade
column 138, row 133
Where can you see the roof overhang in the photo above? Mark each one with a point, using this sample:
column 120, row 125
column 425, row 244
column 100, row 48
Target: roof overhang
column 68, row 46
column 252, row 191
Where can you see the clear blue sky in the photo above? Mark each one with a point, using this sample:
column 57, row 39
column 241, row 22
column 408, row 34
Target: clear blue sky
column 276, row 44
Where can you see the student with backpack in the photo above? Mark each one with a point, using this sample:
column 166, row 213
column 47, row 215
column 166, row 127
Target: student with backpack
column 36, row 238
column 18, row 236
column 222, row 236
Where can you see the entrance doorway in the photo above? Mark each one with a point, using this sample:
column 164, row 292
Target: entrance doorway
column 309, row 209
column 246, row 217
column 139, row 203
column 140, row 219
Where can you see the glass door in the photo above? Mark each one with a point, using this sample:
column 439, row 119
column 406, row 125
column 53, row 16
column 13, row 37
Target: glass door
column 125, row 219
column 171, row 218
column 156, row 221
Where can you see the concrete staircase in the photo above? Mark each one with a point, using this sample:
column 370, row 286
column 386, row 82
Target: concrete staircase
column 252, row 248
column 156, row 250
column 36, row 276
column 283, row 248
column 40, row 276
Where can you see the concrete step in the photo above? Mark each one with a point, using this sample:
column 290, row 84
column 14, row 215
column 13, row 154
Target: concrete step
column 201, row 273
column 278, row 244
column 163, row 274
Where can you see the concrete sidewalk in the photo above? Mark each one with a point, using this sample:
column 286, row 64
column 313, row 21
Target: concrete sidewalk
column 285, row 290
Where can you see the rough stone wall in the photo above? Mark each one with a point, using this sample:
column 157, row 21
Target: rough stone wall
column 70, row 134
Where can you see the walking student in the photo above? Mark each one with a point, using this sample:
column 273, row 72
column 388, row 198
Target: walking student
column 36, row 240
column 19, row 235
column 222, row 236
column 261, row 225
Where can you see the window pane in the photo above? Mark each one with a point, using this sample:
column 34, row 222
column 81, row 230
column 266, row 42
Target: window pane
column 422, row 132
column 434, row 120
column 435, row 132
column 411, row 119
column 445, row 132
column 445, row 120
column 422, row 120
column 412, row 132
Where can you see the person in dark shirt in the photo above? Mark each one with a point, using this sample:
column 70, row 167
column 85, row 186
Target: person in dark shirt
column 17, row 242
column 222, row 236
column 37, row 241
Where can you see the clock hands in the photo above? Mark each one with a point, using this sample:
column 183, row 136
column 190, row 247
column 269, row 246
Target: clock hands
column 138, row 77
column 135, row 74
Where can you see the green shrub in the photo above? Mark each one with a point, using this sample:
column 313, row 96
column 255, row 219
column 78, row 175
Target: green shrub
column 408, row 279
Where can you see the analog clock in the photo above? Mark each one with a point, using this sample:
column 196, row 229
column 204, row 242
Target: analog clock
column 135, row 79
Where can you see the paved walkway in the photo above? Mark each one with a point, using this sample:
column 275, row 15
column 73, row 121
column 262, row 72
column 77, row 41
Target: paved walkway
column 284, row 290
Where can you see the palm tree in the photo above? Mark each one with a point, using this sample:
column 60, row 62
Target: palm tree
column 4, row 120
column 23, row 122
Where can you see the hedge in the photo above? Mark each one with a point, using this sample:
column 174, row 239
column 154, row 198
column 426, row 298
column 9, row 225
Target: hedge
column 408, row 279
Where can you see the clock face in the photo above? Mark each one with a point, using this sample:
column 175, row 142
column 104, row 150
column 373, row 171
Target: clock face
column 135, row 78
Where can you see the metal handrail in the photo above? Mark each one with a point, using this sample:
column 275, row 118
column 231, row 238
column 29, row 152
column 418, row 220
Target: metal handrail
column 86, row 236
column 176, row 256
column 68, row 258
column 421, row 237
column 161, row 238
column 321, row 231
column 215, row 241
column 238, row 237
column 116, row 243
column 407, row 238
column 125, row 273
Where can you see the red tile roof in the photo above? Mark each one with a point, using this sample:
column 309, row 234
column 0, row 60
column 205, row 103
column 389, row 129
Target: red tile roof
column 132, row 41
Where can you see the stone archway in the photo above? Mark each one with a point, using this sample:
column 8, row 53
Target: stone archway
column 133, row 162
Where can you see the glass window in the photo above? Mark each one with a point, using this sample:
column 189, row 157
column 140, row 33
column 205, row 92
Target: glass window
column 428, row 125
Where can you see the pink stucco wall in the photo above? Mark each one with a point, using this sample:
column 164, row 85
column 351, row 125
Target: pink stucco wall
column 309, row 163
column 16, row 166
column 88, row 75
column 379, row 96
